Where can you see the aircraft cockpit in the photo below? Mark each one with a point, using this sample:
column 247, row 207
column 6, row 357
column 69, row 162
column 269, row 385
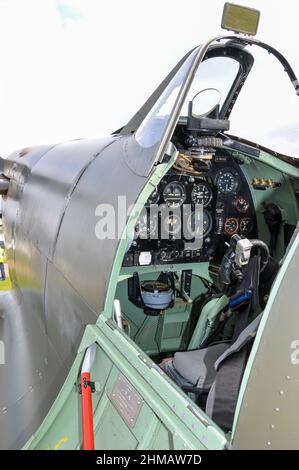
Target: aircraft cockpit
column 210, row 238
column 154, row 270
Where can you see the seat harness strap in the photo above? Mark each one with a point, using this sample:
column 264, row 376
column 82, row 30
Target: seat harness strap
column 246, row 300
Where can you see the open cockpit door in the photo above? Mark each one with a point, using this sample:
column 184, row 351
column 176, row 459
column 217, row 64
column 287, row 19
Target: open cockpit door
column 135, row 405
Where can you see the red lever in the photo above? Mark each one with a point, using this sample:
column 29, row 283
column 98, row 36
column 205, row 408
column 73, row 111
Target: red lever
column 87, row 415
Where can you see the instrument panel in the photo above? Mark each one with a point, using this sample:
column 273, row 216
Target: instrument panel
column 190, row 217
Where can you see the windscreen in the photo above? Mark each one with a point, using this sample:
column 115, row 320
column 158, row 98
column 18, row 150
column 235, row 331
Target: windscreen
column 153, row 126
column 216, row 72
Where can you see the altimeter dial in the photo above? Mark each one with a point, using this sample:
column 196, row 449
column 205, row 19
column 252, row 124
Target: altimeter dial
column 201, row 194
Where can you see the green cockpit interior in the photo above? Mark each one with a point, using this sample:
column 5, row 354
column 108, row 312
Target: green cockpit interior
column 193, row 272
column 244, row 192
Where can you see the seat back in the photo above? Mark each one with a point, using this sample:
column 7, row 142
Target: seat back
column 223, row 395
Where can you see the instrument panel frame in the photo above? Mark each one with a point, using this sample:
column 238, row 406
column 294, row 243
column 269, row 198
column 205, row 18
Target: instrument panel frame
column 221, row 207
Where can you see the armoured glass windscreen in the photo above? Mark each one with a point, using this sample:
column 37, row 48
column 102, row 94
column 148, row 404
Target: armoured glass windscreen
column 153, row 126
column 215, row 73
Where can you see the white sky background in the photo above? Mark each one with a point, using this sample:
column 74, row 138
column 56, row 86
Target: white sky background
column 80, row 68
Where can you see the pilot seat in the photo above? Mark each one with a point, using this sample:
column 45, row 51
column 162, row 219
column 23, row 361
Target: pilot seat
column 212, row 374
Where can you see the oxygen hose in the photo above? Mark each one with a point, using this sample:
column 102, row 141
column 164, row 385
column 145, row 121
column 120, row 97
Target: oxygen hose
column 86, row 399
column 229, row 271
column 264, row 252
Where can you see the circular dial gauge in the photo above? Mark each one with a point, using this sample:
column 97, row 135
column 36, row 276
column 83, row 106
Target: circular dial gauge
column 231, row 226
column 246, row 225
column 172, row 225
column 174, row 194
column 154, row 197
column 145, row 226
column 199, row 224
column 201, row 194
column 227, row 181
column 241, row 204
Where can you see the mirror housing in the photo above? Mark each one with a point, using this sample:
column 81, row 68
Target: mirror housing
column 240, row 19
column 209, row 124
column 206, row 125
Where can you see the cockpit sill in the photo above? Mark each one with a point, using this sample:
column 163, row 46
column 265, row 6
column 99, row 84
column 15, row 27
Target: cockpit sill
column 253, row 149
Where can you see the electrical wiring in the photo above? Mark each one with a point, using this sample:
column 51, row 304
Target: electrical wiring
column 184, row 163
